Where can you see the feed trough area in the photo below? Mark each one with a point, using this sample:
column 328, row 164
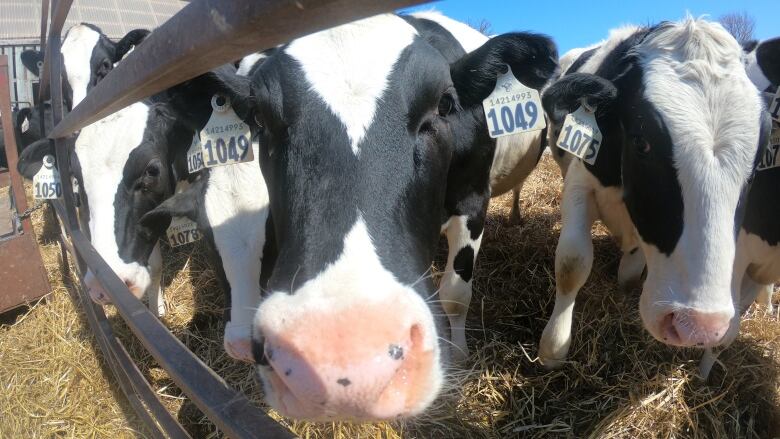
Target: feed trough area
column 404, row 225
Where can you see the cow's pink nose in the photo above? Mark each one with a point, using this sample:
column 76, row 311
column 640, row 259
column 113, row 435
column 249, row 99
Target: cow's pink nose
column 361, row 364
column 689, row 327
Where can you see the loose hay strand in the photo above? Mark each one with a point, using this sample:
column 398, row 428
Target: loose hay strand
column 619, row 382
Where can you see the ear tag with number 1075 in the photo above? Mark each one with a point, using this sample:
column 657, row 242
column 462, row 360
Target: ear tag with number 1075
column 774, row 106
column 182, row 231
column 769, row 159
column 513, row 107
column 226, row 139
column 580, row 134
column 46, row 183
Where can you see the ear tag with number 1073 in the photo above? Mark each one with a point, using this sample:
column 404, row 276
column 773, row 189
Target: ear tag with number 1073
column 182, row 231
column 580, row 134
column 226, row 139
column 46, row 183
column 513, row 107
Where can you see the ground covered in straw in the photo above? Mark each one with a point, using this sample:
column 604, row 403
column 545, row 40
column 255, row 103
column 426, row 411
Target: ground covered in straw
column 619, row 382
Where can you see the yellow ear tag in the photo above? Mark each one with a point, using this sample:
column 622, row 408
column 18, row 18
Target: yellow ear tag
column 580, row 134
column 226, row 139
column 513, row 107
column 46, row 183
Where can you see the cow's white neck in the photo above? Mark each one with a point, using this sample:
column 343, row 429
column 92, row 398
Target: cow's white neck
column 349, row 67
column 77, row 55
column 468, row 37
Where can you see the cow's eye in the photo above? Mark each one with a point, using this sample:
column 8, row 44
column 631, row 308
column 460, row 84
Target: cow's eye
column 152, row 170
column 446, row 104
column 641, row 145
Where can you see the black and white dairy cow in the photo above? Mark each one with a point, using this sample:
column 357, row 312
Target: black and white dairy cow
column 129, row 164
column 87, row 56
column 758, row 249
column 681, row 126
column 372, row 135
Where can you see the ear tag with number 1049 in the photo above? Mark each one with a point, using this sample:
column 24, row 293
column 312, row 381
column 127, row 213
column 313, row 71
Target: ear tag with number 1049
column 182, row 231
column 513, row 107
column 580, row 134
column 46, row 183
column 226, row 139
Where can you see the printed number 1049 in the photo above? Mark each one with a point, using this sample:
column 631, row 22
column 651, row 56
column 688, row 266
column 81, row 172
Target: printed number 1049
column 511, row 121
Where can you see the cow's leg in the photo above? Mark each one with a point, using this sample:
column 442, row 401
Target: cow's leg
column 764, row 297
column 155, row 293
column 464, row 235
column 514, row 214
column 573, row 262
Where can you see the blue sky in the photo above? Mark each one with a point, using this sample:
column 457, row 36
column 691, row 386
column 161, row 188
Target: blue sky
column 572, row 25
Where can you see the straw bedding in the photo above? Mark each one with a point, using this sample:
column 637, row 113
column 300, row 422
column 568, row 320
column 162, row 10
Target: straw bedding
column 619, row 383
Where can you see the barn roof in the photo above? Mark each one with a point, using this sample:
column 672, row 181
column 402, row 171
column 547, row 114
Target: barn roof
column 20, row 20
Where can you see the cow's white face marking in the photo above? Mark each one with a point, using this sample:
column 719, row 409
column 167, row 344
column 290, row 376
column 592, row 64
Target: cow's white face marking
column 697, row 65
column 77, row 55
column 330, row 58
column 103, row 149
column 248, row 62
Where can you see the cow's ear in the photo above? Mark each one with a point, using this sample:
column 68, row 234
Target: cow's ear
column 768, row 58
column 184, row 204
column 133, row 38
column 32, row 59
column 22, row 115
column 565, row 95
column 31, row 158
column 189, row 95
column 532, row 57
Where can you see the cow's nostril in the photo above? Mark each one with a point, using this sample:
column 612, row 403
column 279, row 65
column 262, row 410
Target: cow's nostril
column 344, row 381
column 396, row 352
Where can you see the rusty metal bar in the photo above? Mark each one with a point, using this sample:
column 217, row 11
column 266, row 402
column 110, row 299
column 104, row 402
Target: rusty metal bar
column 230, row 411
column 60, row 9
column 44, row 23
column 133, row 384
column 12, row 154
column 206, row 34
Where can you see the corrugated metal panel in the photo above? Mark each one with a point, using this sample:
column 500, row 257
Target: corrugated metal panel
column 20, row 20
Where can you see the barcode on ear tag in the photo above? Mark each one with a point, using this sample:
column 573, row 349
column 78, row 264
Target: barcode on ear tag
column 769, row 159
column 580, row 135
column 226, row 139
column 774, row 106
column 195, row 156
column 512, row 107
column 46, row 183
column 182, row 231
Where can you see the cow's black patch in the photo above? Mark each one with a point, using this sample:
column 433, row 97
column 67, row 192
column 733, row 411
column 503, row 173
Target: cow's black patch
column 580, row 61
column 768, row 58
column 464, row 263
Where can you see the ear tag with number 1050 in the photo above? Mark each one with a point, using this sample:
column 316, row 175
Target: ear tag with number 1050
column 226, row 139
column 580, row 134
column 182, row 231
column 513, row 107
column 46, row 183
column 195, row 156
